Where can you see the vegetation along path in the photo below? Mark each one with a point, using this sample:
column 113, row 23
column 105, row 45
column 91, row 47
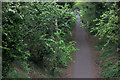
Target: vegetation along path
column 83, row 59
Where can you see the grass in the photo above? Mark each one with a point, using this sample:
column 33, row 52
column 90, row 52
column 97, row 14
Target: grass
column 108, row 61
column 15, row 74
column 35, row 71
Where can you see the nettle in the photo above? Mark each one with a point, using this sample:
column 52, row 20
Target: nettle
column 41, row 30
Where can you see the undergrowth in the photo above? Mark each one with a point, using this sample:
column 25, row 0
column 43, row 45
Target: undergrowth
column 108, row 60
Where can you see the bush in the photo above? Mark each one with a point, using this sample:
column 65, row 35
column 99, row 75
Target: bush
column 37, row 32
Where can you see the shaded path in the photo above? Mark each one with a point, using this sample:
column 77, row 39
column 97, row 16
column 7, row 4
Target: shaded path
column 83, row 61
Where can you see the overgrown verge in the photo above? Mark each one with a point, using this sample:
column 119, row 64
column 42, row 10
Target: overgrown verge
column 109, row 59
column 35, row 33
column 102, row 20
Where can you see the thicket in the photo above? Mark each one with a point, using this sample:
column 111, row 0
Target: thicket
column 102, row 20
column 37, row 32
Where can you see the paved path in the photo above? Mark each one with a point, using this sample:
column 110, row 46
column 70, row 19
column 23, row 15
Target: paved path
column 83, row 62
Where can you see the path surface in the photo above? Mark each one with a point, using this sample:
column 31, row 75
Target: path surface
column 83, row 67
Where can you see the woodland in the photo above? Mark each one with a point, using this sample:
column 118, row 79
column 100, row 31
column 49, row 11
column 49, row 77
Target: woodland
column 36, row 37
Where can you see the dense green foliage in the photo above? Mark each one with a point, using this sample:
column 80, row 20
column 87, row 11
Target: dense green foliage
column 108, row 28
column 108, row 60
column 102, row 20
column 13, row 32
column 37, row 32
